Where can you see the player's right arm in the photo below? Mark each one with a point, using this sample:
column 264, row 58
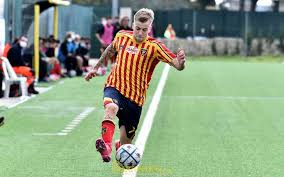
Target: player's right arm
column 179, row 61
column 109, row 52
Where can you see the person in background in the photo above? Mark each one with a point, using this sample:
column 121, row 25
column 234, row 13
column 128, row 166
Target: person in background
column 20, row 65
column 79, row 59
column 170, row 32
column 54, row 64
column 67, row 55
column 105, row 36
column 82, row 52
column 116, row 23
column 123, row 25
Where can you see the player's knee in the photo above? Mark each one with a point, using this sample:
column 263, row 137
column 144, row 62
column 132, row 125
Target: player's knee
column 111, row 110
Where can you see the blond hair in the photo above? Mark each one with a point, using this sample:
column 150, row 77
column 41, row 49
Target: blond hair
column 143, row 15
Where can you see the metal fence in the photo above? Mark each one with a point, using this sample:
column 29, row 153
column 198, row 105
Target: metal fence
column 220, row 23
column 74, row 18
column 187, row 23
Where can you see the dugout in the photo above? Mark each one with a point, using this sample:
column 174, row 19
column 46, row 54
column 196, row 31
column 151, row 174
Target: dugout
column 39, row 7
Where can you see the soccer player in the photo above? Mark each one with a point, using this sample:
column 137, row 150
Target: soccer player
column 137, row 55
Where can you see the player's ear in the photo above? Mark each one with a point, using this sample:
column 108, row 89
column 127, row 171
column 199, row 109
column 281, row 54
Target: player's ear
column 133, row 25
column 149, row 28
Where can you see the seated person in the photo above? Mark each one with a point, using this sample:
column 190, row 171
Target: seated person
column 20, row 65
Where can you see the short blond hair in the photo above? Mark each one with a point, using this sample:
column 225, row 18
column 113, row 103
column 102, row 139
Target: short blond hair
column 143, row 15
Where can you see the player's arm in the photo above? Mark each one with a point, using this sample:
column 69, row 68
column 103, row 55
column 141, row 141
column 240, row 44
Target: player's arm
column 165, row 55
column 179, row 61
column 109, row 52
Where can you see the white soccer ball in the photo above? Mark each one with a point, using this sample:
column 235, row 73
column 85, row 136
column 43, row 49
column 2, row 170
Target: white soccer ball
column 128, row 156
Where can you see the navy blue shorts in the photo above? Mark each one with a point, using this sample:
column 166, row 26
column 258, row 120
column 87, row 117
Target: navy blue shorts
column 129, row 112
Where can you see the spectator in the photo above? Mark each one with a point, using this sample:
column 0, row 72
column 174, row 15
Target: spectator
column 116, row 23
column 105, row 36
column 79, row 59
column 123, row 25
column 20, row 66
column 211, row 31
column 67, row 55
column 170, row 32
column 53, row 62
column 82, row 51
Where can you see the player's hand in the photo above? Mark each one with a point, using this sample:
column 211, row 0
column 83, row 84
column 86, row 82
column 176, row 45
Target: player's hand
column 181, row 56
column 91, row 74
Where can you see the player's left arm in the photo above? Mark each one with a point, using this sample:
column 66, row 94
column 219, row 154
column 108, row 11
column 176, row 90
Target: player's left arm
column 179, row 61
column 167, row 56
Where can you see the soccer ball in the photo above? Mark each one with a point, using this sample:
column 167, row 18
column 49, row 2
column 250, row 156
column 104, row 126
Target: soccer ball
column 128, row 156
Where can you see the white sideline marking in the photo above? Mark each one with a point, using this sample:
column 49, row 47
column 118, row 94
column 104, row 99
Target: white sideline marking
column 23, row 99
column 45, row 134
column 229, row 97
column 147, row 123
column 69, row 128
column 26, row 98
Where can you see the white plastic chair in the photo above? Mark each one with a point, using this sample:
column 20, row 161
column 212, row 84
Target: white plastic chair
column 10, row 78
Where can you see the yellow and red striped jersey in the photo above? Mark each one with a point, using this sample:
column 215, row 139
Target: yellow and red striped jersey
column 135, row 63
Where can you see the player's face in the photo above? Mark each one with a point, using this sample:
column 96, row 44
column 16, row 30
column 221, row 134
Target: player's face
column 140, row 30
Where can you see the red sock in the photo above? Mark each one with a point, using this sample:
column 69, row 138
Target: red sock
column 107, row 131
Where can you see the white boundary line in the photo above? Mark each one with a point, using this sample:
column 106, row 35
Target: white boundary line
column 26, row 98
column 147, row 123
column 71, row 126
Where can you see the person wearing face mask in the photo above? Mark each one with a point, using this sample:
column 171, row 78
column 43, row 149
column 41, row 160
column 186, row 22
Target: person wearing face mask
column 82, row 52
column 20, row 65
column 79, row 58
column 67, row 54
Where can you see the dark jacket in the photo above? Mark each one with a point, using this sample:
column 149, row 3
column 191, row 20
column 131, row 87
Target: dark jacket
column 15, row 56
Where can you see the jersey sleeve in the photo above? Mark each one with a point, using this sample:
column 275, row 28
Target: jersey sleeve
column 164, row 54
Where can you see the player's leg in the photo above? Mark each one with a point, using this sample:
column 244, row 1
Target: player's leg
column 128, row 124
column 104, row 144
column 123, row 136
column 108, row 125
